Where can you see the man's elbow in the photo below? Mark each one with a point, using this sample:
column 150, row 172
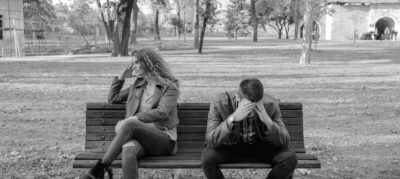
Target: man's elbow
column 280, row 139
column 210, row 142
column 281, row 144
column 112, row 101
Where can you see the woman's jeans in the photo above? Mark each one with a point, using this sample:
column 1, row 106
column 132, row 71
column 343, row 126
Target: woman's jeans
column 135, row 139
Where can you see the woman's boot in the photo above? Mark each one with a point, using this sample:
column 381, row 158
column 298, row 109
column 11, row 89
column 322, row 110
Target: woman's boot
column 98, row 171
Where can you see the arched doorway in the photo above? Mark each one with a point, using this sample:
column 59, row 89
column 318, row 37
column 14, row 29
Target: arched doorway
column 384, row 28
column 315, row 31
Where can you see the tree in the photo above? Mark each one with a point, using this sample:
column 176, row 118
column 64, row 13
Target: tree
column 135, row 15
column 263, row 9
column 38, row 14
column 236, row 17
column 181, row 7
column 305, row 57
column 277, row 15
column 196, row 23
column 157, row 6
column 187, row 6
column 116, row 19
column 208, row 15
column 295, row 7
column 37, row 10
column 254, row 19
column 79, row 15
column 177, row 23
column 124, row 12
column 178, row 13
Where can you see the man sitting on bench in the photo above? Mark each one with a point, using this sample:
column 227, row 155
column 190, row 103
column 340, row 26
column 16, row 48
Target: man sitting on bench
column 241, row 129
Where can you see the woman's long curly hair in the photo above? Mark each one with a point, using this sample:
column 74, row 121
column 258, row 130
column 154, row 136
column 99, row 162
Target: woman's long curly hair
column 154, row 65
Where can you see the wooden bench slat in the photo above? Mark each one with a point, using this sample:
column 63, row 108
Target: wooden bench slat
column 181, row 114
column 178, row 156
column 191, row 137
column 181, row 144
column 182, row 121
column 300, row 164
column 282, row 105
column 192, row 164
column 181, row 150
column 291, row 106
column 203, row 128
column 198, row 150
column 181, row 129
column 294, row 136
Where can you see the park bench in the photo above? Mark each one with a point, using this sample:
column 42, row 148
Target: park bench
column 102, row 117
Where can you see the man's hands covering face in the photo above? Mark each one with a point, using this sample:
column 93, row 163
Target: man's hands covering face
column 243, row 110
column 262, row 114
column 246, row 106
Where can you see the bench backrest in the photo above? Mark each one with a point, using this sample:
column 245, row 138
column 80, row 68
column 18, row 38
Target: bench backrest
column 101, row 119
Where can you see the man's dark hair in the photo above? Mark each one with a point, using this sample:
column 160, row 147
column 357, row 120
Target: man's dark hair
column 252, row 89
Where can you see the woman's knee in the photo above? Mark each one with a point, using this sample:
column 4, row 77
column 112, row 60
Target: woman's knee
column 128, row 125
column 130, row 150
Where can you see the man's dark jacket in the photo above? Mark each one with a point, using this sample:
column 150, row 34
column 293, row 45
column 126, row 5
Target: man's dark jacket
column 218, row 133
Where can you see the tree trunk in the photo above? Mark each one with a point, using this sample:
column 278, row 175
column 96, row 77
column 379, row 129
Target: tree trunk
column 203, row 28
column 305, row 57
column 236, row 34
column 106, row 26
column 196, row 24
column 254, row 20
column 126, row 27
column 135, row 17
column 296, row 29
column 287, row 34
column 115, row 52
column 297, row 19
column 179, row 27
column 175, row 31
column 111, row 27
column 279, row 28
column 178, row 13
column 184, row 26
column 287, row 29
column 157, row 36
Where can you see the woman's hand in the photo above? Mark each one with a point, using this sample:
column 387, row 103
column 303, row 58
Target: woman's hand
column 127, row 73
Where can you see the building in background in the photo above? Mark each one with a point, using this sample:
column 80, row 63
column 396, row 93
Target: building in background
column 11, row 28
column 360, row 19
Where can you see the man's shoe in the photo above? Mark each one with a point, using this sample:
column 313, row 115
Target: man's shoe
column 97, row 172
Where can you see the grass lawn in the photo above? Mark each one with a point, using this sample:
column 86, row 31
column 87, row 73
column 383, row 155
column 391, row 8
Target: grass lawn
column 350, row 97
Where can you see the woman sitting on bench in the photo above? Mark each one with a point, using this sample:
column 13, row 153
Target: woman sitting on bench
column 151, row 114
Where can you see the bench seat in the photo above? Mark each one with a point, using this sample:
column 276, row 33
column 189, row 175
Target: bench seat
column 187, row 160
column 101, row 119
